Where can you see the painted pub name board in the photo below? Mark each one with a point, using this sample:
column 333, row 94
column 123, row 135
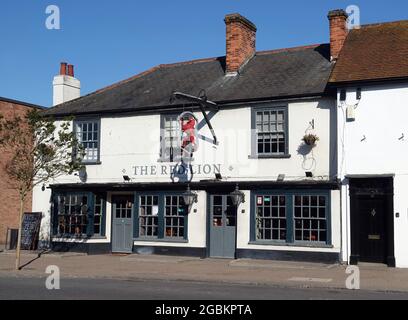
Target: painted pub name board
column 168, row 169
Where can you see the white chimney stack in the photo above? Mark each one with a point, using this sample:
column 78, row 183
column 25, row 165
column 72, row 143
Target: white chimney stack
column 66, row 87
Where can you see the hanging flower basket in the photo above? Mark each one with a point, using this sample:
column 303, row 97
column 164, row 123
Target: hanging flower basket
column 310, row 139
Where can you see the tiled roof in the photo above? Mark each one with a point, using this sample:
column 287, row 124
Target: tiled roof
column 374, row 52
column 302, row 71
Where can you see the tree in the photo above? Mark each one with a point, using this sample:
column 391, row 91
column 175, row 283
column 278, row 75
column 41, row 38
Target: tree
column 40, row 151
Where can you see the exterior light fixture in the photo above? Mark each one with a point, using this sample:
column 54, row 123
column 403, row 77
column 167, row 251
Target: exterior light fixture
column 281, row 178
column 343, row 95
column 309, row 174
column 189, row 197
column 83, row 176
column 237, row 196
column 126, row 178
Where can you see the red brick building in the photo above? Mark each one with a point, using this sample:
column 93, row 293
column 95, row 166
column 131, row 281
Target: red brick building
column 9, row 198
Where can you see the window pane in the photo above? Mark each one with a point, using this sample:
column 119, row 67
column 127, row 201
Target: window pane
column 270, row 127
column 310, row 222
column 98, row 211
column 148, row 215
column 73, row 215
column 171, row 138
column 175, row 211
column 271, row 217
column 88, row 135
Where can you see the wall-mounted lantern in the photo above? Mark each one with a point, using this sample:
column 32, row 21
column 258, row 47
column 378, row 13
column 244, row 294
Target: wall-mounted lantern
column 237, row 196
column 189, row 197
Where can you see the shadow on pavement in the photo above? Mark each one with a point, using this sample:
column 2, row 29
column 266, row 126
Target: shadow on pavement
column 32, row 260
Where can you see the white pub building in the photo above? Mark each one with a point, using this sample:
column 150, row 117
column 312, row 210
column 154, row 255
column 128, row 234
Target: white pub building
column 261, row 181
column 242, row 156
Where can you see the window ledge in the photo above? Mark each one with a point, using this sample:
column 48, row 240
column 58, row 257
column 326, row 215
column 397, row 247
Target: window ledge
column 98, row 238
column 270, row 156
column 91, row 163
column 161, row 240
column 66, row 237
column 175, row 161
column 69, row 237
column 294, row 244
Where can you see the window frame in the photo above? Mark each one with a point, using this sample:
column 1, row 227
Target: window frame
column 161, row 237
column 102, row 224
column 90, row 234
column 290, row 218
column 310, row 218
column 88, row 120
column 162, row 157
column 137, row 216
column 277, row 194
column 254, row 134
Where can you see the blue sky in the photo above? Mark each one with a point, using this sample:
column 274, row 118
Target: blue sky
column 108, row 40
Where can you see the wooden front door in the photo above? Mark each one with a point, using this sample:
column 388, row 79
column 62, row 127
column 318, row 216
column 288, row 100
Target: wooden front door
column 223, row 222
column 122, row 223
column 371, row 213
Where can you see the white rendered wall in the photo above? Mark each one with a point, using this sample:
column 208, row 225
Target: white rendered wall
column 373, row 145
column 65, row 88
column 134, row 141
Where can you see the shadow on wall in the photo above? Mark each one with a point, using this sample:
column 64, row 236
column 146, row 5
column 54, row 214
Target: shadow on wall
column 332, row 107
column 309, row 161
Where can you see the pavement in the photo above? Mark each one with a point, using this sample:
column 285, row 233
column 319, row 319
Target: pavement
column 174, row 268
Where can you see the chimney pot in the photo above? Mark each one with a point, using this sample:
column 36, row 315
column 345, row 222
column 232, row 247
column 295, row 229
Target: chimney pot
column 71, row 70
column 338, row 31
column 63, row 68
column 240, row 41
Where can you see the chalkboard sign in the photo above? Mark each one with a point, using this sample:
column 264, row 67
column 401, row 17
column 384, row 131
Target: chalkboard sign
column 30, row 230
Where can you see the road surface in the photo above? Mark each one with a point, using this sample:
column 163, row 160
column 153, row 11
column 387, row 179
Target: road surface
column 89, row 288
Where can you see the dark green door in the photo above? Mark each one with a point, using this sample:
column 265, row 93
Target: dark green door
column 122, row 226
column 223, row 221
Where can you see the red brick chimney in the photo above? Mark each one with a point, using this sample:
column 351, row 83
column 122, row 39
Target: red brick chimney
column 71, row 70
column 338, row 31
column 241, row 36
column 63, row 68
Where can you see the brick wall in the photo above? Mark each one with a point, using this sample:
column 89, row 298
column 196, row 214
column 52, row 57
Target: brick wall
column 240, row 41
column 338, row 32
column 9, row 198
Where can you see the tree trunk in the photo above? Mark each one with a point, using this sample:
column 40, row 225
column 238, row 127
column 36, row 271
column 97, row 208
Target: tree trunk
column 22, row 198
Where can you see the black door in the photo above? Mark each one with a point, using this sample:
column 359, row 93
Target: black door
column 372, row 229
column 371, row 211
